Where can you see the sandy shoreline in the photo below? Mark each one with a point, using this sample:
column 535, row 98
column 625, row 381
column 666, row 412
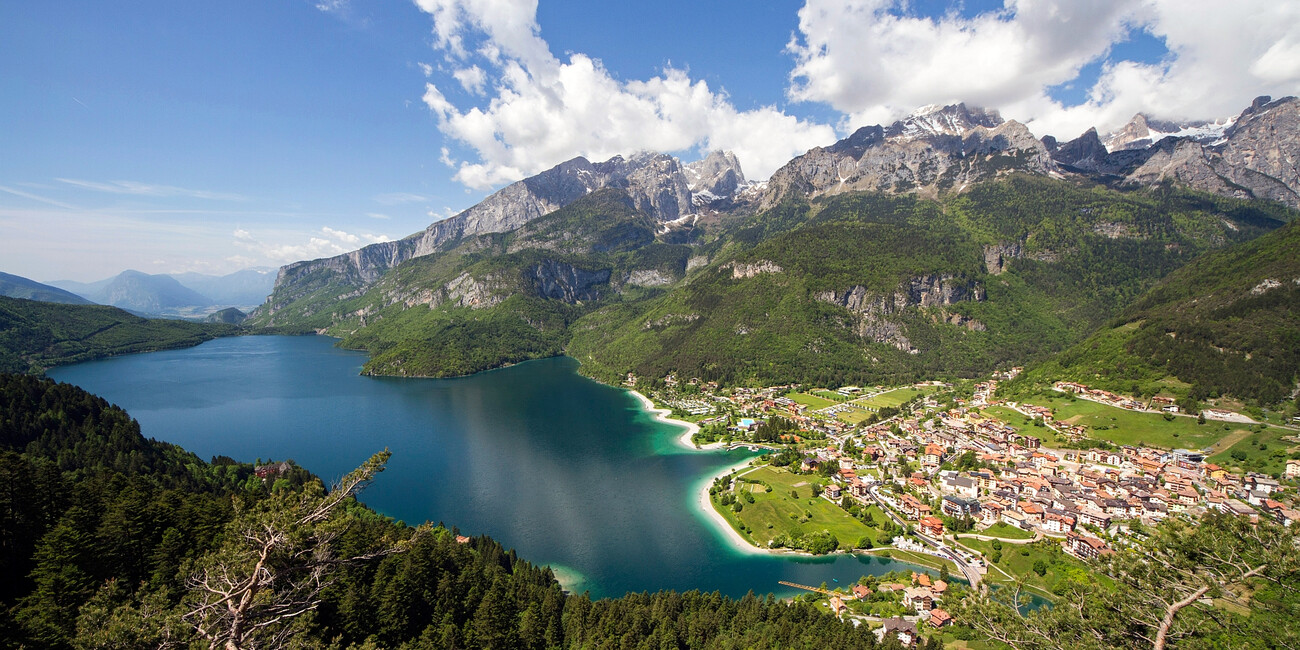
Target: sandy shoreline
column 703, row 502
column 662, row 415
column 706, row 506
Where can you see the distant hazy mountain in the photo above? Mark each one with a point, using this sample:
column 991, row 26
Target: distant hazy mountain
column 177, row 294
column 140, row 292
column 16, row 286
column 246, row 288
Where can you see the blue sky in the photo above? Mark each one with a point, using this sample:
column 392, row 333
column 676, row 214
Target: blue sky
column 167, row 136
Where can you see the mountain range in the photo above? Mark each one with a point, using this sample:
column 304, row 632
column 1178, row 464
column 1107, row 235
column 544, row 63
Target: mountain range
column 179, row 294
column 947, row 243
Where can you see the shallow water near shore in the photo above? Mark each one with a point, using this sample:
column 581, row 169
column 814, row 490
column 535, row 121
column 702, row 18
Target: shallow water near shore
column 565, row 470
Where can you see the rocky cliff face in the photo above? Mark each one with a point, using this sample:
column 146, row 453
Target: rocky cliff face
column 1255, row 155
column 876, row 313
column 740, row 270
column 544, row 279
column 565, row 282
column 998, row 256
column 1263, row 140
column 934, row 149
column 656, row 184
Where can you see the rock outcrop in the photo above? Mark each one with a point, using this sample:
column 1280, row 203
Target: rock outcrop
column 876, row 313
column 998, row 256
column 740, row 270
column 649, row 278
column 565, row 282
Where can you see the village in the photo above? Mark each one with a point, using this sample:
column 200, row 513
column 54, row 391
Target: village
column 965, row 486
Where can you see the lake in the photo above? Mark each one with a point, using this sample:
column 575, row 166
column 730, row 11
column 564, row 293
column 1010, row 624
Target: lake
column 567, row 471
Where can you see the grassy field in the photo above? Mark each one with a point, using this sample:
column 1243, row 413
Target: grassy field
column 1010, row 416
column 1005, row 531
column 854, row 415
column 829, row 395
column 1124, row 427
column 1022, row 423
column 811, row 401
column 1266, row 452
column 891, row 398
column 1018, row 560
column 951, row 642
column 776, row 512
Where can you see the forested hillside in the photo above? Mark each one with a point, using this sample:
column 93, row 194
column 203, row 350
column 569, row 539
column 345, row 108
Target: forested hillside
column 868, row 288
column 19, row 287
column 37, row 335
column 112, row 540
column 1228, row 324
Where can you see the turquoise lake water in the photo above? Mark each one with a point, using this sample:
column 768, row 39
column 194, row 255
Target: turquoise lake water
column 567, row 471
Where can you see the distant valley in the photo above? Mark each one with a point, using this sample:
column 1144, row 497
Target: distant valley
column 187, row 295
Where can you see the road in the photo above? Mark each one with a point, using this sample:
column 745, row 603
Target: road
column 972, row 574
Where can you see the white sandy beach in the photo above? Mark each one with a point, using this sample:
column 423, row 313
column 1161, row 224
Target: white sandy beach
column 705, row 506
column 738, row 542
column 662, row 416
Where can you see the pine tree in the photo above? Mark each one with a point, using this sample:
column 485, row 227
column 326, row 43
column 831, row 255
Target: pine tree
column 276, row 559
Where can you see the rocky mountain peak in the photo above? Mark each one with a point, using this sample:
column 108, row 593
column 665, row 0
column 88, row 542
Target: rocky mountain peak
column 954, row 119
column 1143, row 131
column 1251, row 156
column 934, row 149
column 718, row 174
column 858, row 143
column 1085, row 152
column 1136, row 134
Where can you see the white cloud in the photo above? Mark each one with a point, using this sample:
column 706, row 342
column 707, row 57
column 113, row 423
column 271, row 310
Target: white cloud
column 332, row 6
column 542, row 111
column 35, row 197
column 874, row 62
column 1220, row 59
column 398, row 198
column 327, row 242
column 148, row 189
column 472, row 79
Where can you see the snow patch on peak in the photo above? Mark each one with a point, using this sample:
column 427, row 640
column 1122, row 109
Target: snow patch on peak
column 935, row 120
column 1143, row 131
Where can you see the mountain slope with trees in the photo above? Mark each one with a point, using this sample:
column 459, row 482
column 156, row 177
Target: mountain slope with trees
column 948, row 243
column 871, row 288
column 495, row 299
column 36, row 335
column 1227, row 324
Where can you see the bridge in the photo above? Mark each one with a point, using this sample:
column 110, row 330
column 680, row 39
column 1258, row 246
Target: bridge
column 807, row 588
